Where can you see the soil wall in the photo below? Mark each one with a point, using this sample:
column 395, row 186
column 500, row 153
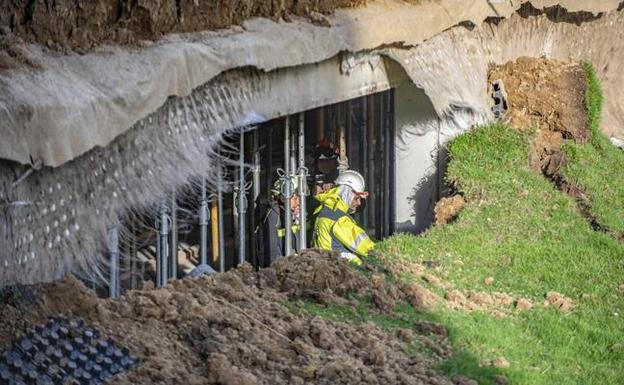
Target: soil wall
column 82, row 24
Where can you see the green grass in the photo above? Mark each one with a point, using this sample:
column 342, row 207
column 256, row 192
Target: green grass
column 594, row 167
column 532, row 239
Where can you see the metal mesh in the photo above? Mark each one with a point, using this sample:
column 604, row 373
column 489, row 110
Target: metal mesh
column 56, row 220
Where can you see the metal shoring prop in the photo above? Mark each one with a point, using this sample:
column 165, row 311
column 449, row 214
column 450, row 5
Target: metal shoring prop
column 241, row 200
column 303, row 191
column 173, row 268
column 204, row 217
column 256, row 171
column 220, row 216
column 164, row 244
column 113, row 249
column 286, row 189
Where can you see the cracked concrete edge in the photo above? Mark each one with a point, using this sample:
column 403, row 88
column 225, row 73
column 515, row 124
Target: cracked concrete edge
column 82, row 101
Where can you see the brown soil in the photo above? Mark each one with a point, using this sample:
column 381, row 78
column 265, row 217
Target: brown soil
column 233, row 328
column 447, row 209
column 81, row 24
column 559, row 301
column 548, row 95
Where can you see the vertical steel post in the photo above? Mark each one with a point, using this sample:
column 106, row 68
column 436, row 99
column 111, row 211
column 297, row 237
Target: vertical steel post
column 220, row 214
column 159, row 259
column 363, row 161
column 164, row 244
column 203, row 225
column 242, row 209
column 113, row 248
column 256, row 171
column 173, row 266
column 303, row 175
column 288, row 247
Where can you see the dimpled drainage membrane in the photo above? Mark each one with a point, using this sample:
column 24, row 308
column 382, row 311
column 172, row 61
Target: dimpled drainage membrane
column 63, row 351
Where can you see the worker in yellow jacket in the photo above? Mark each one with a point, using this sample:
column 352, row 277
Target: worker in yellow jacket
column 334, row 228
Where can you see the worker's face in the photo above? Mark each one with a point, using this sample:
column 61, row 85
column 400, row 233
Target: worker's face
column 357, row 201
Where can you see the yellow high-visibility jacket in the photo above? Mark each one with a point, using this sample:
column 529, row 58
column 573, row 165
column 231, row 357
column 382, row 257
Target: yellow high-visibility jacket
column 336, row 230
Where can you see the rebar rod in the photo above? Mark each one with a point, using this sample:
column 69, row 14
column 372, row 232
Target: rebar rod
column 220, row 214
column 203, row 225
column 303, row 175
column 242, row 210
column 113, row 248
column 287, row 191
column 173, row 266
column 164, row 244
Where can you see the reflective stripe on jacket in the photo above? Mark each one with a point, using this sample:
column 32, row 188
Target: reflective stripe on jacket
column 336, row 230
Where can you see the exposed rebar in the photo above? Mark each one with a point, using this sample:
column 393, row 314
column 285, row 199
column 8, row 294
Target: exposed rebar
column 303, row 176
column 241, row 206
column 164, row 245
column 113, row 249
column 288, row 249
column 220, row 214
column 173, row 265
column 204, row 217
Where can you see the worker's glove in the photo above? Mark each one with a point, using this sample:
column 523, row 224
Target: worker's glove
column 352, row 258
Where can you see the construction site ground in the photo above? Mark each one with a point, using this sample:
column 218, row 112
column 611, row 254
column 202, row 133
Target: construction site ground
column 524, row 287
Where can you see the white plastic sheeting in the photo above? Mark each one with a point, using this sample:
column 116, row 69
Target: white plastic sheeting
column 82, row 101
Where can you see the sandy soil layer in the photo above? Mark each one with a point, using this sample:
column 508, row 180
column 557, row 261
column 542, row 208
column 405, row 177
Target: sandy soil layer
column 548, row 95
column 234, row 328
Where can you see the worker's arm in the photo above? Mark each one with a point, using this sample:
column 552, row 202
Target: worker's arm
column 352, row 236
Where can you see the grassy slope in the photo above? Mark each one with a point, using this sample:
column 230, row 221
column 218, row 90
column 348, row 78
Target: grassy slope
column 532, row 239
column 592, row 166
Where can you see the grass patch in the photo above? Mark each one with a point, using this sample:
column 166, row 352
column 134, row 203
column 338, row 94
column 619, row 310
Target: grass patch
column 532, row 239
column 597, row 168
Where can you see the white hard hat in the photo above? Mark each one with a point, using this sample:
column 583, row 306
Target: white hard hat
column 353, row 179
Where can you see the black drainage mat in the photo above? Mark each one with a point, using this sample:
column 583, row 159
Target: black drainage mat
column 63, row 351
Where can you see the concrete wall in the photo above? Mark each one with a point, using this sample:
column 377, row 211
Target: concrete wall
column 417, row 179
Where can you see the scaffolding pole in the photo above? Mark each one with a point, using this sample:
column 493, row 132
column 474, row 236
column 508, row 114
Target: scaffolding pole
column 173, row 266
column 303, row 176
column 288, row 247
column 203, row 224
column 220, row 217
column 163, row 247
column 113, row 248
column 242, row 210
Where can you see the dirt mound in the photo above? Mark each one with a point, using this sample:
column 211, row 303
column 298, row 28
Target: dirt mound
column 447, row 209
column 233, row 328
column 548, row 95
column 312, row 274
column 81, row 25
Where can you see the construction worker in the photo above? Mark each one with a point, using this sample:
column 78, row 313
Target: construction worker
column 334, row 228
column 325, row 168
column 270, row 231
